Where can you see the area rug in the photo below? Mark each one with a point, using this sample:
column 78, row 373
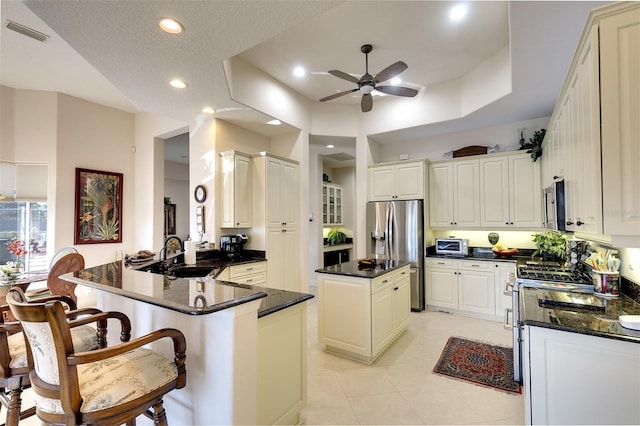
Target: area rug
column 479, row 363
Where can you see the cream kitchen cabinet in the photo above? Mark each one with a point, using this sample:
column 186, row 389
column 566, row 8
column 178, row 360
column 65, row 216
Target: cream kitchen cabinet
column 592, row 143
column 573, row 378
column 461, row 285
column 510, row 192
column 254, row 273
column 360, row 317
column 396, row 181
column 275, row 216
column 236, row 190
column 454, row 194
column 331, row 204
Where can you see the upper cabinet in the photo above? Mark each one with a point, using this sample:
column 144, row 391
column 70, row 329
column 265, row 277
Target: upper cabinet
column 510, row 192
column 454, row 194
column 331, row 204
column 400, row 181
column 592, row 142
column 236, row 190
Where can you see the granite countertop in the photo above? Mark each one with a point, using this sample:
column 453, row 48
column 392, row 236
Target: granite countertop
column 191, row 296
column 593, row 322
column 352, row 269
column 482, row 253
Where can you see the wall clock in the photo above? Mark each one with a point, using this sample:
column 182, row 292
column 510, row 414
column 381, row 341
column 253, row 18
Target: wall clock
column 200, row 193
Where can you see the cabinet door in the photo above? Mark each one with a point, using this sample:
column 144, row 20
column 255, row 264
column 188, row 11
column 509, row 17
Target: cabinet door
column 289, row 193
column 381, row 183
column 242, row 205
column 273, row 192
column 442, row 288
column 476, row 292
column 325, row 205
column 401, row 302
column 620, row 109
column 503, row 271
column 337, row 218
column 466, row 201
column 275, row 248
column 494, row 188
column 441, row 195
column 381, row 318
column 289, row 260
column 525, row 192
column 409, row 181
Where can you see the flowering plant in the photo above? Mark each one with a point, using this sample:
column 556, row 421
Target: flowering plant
column 16, row 248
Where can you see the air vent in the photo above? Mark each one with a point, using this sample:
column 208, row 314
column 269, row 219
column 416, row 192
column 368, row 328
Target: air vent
column 29, row 32
column 341, row 156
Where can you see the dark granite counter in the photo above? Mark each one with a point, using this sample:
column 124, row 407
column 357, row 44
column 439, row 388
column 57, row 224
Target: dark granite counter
column 191, row 296
column 352, row 268
column 602, row 323
column 483, row 253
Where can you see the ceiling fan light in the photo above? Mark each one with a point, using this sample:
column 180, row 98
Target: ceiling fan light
column 366, row 89
column 395, row 81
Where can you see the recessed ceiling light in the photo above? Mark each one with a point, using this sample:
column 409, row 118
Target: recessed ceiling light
column 331, row 146
column 458, row 12
column 299, row 71
column 208, row 110
column 171, row 26
column 395, row 81
column 274, row 122
column 178, row 84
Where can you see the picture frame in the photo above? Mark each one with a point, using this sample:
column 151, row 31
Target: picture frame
column 169, row 219
column 200, row 219
column 98, row 207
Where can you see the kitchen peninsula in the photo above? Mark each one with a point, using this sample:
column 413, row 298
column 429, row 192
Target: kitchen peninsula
column 363, row 307
column 246, row 345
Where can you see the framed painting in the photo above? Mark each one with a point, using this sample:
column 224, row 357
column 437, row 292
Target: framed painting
column 98, row 207
column 169, row 219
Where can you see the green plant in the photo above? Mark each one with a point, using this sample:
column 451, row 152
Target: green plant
column 336, row 236
column 534, row 146
column 551, row 243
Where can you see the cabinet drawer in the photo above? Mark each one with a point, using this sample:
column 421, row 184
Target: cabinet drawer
column 382, row 282
column 476, row 265
column 236, row 271
column 258, row 279
column 399, row 274
column 441, row 263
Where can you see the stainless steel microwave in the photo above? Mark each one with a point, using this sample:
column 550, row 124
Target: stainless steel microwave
column 554, row 206
column 452, row 246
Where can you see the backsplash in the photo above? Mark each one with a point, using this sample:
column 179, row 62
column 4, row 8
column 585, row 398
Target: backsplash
column 511, row 239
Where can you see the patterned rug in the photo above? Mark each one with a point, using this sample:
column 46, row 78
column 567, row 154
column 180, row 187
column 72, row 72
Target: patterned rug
column 477, row 362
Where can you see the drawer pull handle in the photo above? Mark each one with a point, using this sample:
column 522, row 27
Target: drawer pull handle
column 475, row 266
column 249, row 269
column 441, row 263
column 250, row 280
column 384, row 281
column 395, row 288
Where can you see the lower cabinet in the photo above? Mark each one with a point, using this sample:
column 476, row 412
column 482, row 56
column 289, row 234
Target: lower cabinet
column 254, row 273
column 466, row 286
column 572, row 378
column 359, row 317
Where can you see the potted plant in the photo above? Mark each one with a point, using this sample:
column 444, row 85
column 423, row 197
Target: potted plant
column 336, row 236
column 534, row 146
column 550, row 245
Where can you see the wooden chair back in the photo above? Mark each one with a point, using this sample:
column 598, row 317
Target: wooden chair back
column 72, row 262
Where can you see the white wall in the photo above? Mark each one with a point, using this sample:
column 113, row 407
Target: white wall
column 176, row 186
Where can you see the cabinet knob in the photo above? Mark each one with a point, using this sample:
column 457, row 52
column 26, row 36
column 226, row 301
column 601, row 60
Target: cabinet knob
column 506, row 223
column 384, row 281
column 579, row 223
column 249, row 280
column 510, row 223
column 284, row 230
column 569, row 223
column 450, row 223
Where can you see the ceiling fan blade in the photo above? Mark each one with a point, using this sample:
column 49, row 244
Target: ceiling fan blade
column 367, row 103
column 397, row 91
column 344, row 76
column 337, row 95
column 391, row 71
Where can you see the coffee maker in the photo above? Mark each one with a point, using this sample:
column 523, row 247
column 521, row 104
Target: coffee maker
column 233, row 245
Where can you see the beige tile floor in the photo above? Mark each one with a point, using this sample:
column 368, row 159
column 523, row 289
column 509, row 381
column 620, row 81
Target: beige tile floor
column 400, row 387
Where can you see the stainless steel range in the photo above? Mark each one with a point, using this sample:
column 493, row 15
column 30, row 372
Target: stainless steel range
column 542, row 275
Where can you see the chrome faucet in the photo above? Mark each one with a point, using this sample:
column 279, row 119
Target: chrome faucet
column 172, row 243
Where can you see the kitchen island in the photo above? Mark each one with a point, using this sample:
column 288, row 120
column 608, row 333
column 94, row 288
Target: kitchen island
column 246, row 346
column 362, row 309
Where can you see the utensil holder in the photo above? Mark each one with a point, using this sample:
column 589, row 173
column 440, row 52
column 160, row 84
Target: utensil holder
column 606, row 282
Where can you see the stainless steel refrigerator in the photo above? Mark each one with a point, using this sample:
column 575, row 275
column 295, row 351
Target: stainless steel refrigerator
column 395, row 231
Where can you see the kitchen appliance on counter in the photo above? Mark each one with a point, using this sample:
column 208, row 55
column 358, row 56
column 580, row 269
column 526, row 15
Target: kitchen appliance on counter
column 554, row 278
column 233, row 245
column 452, row 246
column 396, row 231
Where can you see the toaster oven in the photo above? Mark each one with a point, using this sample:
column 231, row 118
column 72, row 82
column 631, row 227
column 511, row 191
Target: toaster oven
column 452, row 246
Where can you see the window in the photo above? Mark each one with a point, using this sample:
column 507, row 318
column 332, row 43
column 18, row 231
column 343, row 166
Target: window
column 26, row 221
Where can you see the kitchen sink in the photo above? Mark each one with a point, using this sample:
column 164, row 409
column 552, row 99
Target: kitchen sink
column 190, row 271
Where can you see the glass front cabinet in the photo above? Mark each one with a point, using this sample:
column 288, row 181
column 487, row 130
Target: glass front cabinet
column 331, row 204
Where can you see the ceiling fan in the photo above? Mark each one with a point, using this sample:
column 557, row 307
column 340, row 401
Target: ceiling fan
column 368, row 83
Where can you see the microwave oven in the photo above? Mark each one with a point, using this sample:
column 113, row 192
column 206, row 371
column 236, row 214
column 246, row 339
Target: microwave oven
column 554, row 206
column 452, row 246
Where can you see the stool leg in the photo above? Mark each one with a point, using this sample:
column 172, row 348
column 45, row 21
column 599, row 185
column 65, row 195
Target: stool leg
column 159, row 415
column 13, row 410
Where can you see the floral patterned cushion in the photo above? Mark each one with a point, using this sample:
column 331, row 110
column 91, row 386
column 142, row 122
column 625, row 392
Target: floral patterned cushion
column 84, row 339
column 105, row 383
